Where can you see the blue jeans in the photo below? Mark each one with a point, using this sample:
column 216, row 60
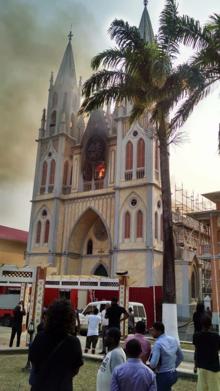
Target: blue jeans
column 166, row 380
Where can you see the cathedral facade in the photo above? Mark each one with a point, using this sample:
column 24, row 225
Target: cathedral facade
column 96, row 206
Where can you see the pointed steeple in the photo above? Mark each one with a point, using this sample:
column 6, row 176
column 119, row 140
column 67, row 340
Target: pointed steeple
column 145, row 26
column 67, row 71
column 64, row 95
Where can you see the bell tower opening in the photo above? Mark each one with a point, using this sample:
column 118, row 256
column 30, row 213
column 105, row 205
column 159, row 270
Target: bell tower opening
column 94, row 166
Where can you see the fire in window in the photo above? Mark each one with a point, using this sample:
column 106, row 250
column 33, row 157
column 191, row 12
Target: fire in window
column 100, row 171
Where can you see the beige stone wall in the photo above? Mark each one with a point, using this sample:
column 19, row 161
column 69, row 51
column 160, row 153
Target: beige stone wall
column 158, row 269
column 12, row 252
column 135, row 264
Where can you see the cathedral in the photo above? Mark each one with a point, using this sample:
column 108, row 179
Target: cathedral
column 96, row 206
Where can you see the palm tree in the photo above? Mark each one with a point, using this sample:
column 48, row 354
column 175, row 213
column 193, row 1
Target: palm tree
column 205, row 40
column 142, row 73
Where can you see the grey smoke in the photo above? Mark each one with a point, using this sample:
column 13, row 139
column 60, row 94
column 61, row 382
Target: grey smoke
column 33, row 37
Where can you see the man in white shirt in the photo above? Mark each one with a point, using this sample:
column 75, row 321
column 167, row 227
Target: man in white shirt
column 113, row 358
column 93, row 330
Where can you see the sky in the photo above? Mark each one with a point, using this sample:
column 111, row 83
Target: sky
column 33, row 37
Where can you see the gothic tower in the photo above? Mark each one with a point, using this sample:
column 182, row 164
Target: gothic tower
column 138, row 207
column 60, row 129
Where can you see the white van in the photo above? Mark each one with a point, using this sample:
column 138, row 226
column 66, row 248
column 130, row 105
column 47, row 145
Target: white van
column 138, row 309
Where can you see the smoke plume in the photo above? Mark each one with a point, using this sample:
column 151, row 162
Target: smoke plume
column 33, row 37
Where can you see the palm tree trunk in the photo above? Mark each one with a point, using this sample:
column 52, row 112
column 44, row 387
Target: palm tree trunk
column 169, row 286
column 169, row 307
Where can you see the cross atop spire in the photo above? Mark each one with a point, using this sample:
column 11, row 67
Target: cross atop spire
column 70, row 36
column 145, row 3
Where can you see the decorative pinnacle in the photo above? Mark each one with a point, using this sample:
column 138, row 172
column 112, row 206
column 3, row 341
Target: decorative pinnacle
column 145, row 3
column 70, row 35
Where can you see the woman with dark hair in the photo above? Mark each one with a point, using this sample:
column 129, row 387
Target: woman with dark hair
column 56, row 354
column 197, row 317
column 197, row 321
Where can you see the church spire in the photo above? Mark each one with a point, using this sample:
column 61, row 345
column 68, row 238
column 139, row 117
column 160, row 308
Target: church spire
column 64, row 95
column 145, row 26
column 67, row 71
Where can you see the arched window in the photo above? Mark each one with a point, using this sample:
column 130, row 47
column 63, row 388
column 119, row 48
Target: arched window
column 139, row 224
column 127, row 225
column 156, row 225
column 44, row 174
column 53, row 119
column 38, row 232
column 52, row 171
column 156, row 154
column 71, row 175
column 47, row 231
column 194, row 285
column 55, row 99
column 72, row 121
column 89, row 249
column 65, row 100
column 65, row 173
column 129, row 156
column 101, row 271
column 161, row 227
column 140, row 153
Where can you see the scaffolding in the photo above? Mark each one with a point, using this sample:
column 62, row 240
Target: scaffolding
column 184, row 202
column 190, row 232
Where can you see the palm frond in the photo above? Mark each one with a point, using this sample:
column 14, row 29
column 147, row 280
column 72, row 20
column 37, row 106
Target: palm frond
column 108, row 58
column 137, row 111
column 125, row 35
column 188, row 106
column 103, row 79
column 167, row 35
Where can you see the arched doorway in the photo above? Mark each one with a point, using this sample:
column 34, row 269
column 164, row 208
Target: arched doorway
column 101, row 271
column 89, row 245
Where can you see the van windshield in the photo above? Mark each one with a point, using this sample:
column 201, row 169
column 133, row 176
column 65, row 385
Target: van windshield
column 141, row 312
column 89, row 310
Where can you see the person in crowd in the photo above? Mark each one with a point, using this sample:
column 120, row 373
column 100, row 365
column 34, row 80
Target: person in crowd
column 93, row 330
column 114, row 357
column 31, row 336
column 104, row 323
column 197, row 317
column 114, row 312
column 40, row 327
column 133, row 375
column 207, row 346
column 76, row 322
column 209, row 312
column 55, row 353
column 197, row 322
column 165, row 357
column 131, row 323
column 18, row 314
column 140, row 331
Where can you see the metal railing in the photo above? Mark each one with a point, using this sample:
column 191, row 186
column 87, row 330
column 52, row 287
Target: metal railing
column 140, row 173
column 128, row 175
